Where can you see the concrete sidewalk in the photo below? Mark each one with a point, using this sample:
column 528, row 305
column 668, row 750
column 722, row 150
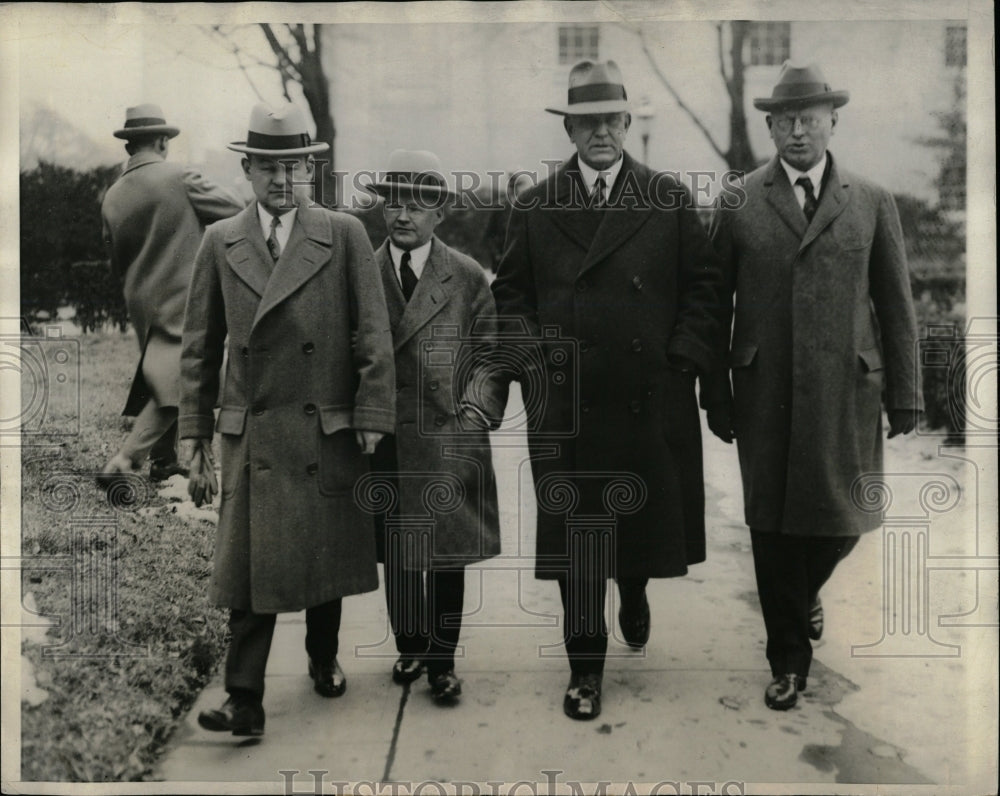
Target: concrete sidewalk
column 690, row 707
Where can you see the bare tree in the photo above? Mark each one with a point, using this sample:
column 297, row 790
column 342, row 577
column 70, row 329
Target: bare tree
column 298, row 59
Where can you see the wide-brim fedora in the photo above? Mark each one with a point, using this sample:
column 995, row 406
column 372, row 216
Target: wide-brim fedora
column 798, row 86
column 146, row 119
column 412, row 173
column 277, row 131
column 594, row 87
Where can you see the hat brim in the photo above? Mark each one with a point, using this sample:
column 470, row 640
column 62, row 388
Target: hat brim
column 586, row 108
column 427, row 192
column 154, row 129
column 837, row 98
column 241, row 146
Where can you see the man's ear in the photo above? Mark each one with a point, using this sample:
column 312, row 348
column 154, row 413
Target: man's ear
column 833, row 121
column 310, row 166
column 628, row 120
column 245, row 163
column 568, row 125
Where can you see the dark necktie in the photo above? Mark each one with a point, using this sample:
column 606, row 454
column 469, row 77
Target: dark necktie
column 597, row 198
column 407, row 278
column 809, row 207
column 272, row 240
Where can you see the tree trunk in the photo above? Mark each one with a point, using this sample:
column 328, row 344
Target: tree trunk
column 740, row 155
column 316, row 90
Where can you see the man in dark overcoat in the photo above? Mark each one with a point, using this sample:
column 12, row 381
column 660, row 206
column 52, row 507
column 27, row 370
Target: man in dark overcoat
column 153, row 218
column 823, row 334
column 610, row 276
column 443, row 321
column 309, row 390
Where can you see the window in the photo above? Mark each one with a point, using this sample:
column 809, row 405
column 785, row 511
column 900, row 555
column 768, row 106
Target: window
column 770, row 43
column 954, row 45
column 577, row 43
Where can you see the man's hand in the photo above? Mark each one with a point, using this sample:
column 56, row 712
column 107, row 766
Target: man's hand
column 202, row 483
column 472, row 418
column 368, row 440
column 720, row 422
column 902, row 421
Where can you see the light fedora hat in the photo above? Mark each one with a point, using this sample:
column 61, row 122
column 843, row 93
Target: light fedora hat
column 800, row 85
column 413, row 172
column 594, row 87
column 280, row 130
column 146, row 119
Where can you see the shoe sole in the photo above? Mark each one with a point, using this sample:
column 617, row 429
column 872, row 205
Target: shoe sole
column 330, row 694
column 210, row 724
column 775, row 705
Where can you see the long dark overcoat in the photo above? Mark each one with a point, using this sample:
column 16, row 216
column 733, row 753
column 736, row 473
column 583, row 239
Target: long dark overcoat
column 291, row 534
column 446, row 514
column 824, row 327
column 611, row 297
column 153, row 219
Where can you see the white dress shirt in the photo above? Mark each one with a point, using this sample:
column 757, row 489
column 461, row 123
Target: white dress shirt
column 284, row 228
column 590, row 176
column 418, row 258
column 815, row 174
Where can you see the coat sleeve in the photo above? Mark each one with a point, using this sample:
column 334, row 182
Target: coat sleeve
column 374, row 365
column 210, row 201
column 892, row 299
column 488, row 384
column 202, row 344
column 716, row 389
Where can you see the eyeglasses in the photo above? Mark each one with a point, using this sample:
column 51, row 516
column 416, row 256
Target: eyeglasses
column 810, row 123
column 592, row 121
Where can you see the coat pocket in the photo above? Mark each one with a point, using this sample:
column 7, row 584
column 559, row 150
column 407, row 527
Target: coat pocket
column 742, row 356
column 871, row 360
column 341, row 462
column 231, row 420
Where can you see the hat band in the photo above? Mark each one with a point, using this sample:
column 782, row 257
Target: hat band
column 596, row 92
column 264, row 141
column 795, row 90
column 423, row 179
column 144, row 121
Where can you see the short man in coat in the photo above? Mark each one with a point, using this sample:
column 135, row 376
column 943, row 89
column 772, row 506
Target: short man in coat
column 608, row 269
column 824, row 331
column 153, row 219
column 443, row 322
column 309, row 390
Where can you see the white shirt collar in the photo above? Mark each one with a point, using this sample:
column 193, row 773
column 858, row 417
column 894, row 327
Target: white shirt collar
column 815, row 175
column 590, row 175
column 284, row 229
column 418, row 257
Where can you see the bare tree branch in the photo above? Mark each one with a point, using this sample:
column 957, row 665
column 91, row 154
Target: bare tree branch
column 285, row 63
column 722, row 56
column 240, row 55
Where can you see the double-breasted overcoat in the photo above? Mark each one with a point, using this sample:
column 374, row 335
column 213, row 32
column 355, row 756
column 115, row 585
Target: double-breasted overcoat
column 291, row 533
column 153, row 219
column 612, row 298
column 824, row 332
column 446, row 515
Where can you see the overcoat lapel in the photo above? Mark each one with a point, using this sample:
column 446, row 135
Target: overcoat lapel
column 394, row 300
column 308, row 250
column 429, row 297
column 832, row 202
column 574, row 221
column 618, row 224
column 246, row 251
column 781, row 197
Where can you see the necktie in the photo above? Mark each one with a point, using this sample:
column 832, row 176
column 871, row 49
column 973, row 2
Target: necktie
column 597, row 197
column 407, row 278
column 272, row 240
column 809, row 208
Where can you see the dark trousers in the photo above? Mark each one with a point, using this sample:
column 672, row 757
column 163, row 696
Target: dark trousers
column 250, row 644
column 426, row 620
column 790, row 572
column 584, row 629
column 164, row 450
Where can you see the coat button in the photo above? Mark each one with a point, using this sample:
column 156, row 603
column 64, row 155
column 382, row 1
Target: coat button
column 432, row 384
column 245, row 351
column 312, row 469
column 258, row 410
column 584, row 346
column 581, row 286
column 440, row 420
column 637, row 282
column 584, row 406
column 310, row 409
column 634, row 407
column 637, row 344
column 308, row 348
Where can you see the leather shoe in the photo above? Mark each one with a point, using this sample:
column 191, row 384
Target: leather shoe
column 445, row 686
column 240, row 715
column 328, row 678
column 583, row 697
column 635, row 622
column 159, row 471
column 816, row 620
column 406, row 669
column 783, row 692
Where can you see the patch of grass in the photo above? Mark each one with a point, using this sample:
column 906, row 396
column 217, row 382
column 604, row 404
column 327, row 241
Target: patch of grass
column 140, row 655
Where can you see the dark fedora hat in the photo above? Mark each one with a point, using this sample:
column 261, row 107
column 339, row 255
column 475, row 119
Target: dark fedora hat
column 146, row 119
column 594, row 87
column 798, row 86
column 411, row 173
column 278, row 131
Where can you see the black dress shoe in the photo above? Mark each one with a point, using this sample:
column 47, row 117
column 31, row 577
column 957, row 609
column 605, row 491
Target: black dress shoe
column 634, row 622
column 406, row 669
column 783, row 692
column 816, row 620
column 328, row 678
column 160, row 471
column 583, row 697
column 240, row 715
column 445, row 686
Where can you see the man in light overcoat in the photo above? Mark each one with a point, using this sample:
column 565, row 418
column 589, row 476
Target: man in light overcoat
column 153, row 218
column 439, row 462
column 309, row 390
column 823, row 335
column 609, row 272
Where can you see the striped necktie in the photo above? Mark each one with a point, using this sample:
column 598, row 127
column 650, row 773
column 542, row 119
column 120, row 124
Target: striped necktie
column 809, row 207
column 272, row 240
